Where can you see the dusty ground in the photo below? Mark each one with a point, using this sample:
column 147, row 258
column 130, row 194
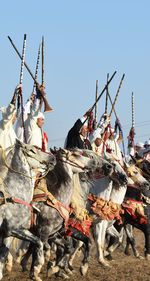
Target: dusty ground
column 124, row 268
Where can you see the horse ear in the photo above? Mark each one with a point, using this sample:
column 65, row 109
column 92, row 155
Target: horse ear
column 133, row 158
column 18, row 142
column 53, row 150
column 126, row 165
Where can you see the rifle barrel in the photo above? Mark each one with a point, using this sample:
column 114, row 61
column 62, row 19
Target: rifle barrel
column 106, row 103
column 43, row 61
column 31, row 74
column 116, row 95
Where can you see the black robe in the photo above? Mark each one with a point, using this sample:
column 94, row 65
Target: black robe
column 74, row 139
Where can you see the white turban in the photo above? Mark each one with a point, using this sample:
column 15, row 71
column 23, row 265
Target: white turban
column 39, row 115
column 95, row 135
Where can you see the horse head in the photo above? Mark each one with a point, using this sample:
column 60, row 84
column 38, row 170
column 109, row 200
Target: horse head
column 36, row 157
column 135, row 174
column 99, row 164
column 119, row 175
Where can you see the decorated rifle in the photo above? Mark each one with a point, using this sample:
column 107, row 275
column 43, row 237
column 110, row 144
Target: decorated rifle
column 106, row 102
column 37, row 67
column 132, row 130
column 48, row 108
column 43, row 82
column 96, row 96
column 117, row 94
column 21, row 80
column 100, row 95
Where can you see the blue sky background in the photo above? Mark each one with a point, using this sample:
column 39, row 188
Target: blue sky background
column 84, row 40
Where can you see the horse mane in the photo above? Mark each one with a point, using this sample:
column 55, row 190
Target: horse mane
column 77, row 200
column 56, row 177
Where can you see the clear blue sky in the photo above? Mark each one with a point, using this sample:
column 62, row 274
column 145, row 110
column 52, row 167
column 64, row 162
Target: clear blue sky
column 84, row 40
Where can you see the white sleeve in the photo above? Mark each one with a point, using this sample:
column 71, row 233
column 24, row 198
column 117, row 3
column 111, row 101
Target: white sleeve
column 96, row 134
column 7, row 116
column 35, row 109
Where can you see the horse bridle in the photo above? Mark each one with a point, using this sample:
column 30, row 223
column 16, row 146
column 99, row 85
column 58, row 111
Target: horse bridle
column 71, row 162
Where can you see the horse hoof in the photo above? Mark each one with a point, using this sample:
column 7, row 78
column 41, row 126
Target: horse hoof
column 147, row 256
column 84, row 269
column 109, row 257
column 23, row 266
column 140, row 257
column 70, row 266
column 62, row 274
column 36, row 278
column 52, row 271
column 8, row 267
column 68, row 271
column 105, row 263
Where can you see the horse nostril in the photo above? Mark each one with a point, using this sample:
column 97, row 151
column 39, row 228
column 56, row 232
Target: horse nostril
column 124, row 179
column 146, row 185
column 107, row 169
column 109, row 166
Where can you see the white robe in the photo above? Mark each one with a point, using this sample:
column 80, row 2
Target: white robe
column 19, row 128
column 7, row 133
column 32, row 130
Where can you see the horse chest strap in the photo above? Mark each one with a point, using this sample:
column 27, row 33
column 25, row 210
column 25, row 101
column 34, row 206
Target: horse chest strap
column 22, row 202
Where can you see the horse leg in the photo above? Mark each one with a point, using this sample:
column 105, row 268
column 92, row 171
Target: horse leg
column 4, row 251
column 131, row 241
column 86, row 245
column 9, row 262
column 86, row 258
column 63, row 259
column 39, row 256
column 78, row 246
column 47, row 251
column 24, row 245
column 147, row 241
column 26, row 257
column 99, row 235
column 116, row 238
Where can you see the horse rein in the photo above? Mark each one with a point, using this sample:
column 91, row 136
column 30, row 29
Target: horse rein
column 21, row 173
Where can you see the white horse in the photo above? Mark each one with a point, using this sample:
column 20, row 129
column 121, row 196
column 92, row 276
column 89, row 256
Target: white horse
column 17, row 170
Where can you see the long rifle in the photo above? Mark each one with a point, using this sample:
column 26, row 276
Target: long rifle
column 100, row 95
column 132, row 130
column 21, row 71
column 123, row 145
column 96, row 96
column 31, row 74
column 133, row 119
column 21, row 80
column 112, row 109
column 43, row 82
column 37, row 67
column 106, row 102
column 48, row 108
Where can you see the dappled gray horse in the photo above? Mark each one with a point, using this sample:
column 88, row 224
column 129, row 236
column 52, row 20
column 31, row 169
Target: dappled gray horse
column 88, row 182
column 101, row 186
column 17, row 176
column 60, row 185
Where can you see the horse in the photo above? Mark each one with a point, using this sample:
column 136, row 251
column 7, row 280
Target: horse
column 137, row 184
column 18, row 169
column 98, row 184
column 59, row 181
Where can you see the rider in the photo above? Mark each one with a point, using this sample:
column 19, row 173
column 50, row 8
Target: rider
column 34, row 123
column 26, row 111
column 96, row 137
column 78, row 135
column 7, row 133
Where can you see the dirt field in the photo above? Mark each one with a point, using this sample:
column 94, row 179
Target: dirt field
column 124, row 268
